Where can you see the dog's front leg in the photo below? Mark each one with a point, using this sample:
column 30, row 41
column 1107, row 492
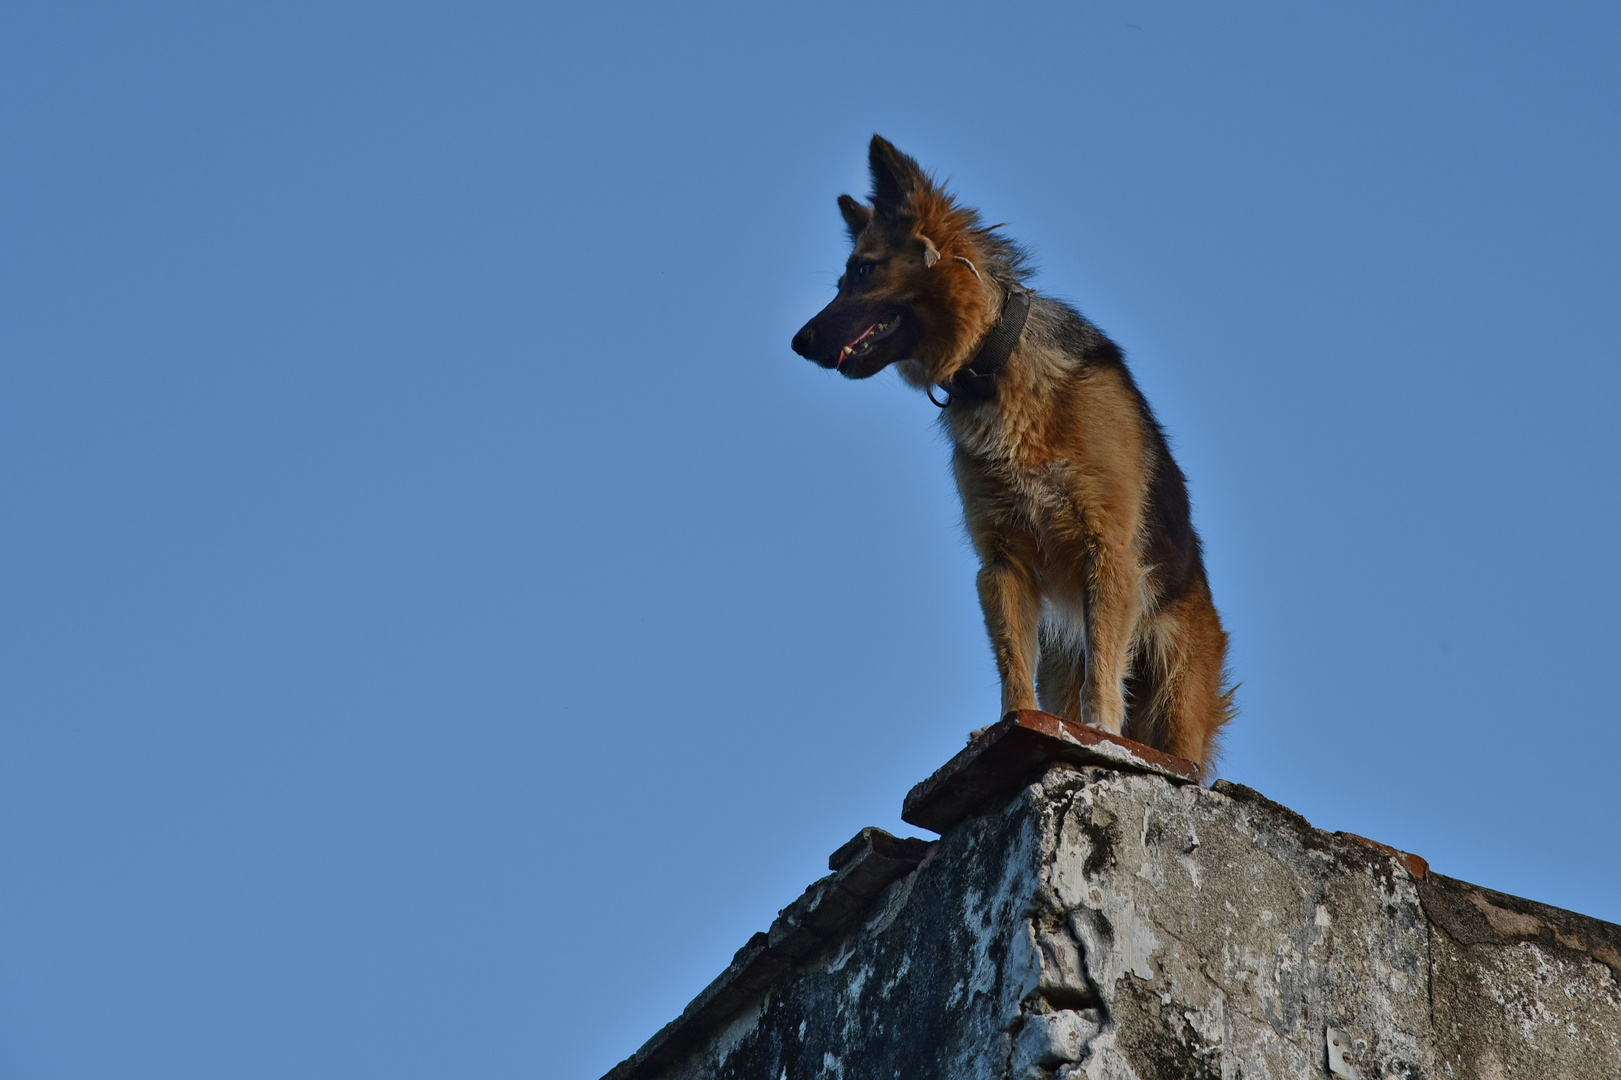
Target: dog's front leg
column 1012, row 604
column 1113, row 606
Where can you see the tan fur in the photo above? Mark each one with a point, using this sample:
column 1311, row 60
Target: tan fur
column 1054, row 474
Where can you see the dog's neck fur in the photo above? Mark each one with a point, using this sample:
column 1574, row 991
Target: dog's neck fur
column 973, row 269
column 995, row 430
column 977, row 268
column 976, row 380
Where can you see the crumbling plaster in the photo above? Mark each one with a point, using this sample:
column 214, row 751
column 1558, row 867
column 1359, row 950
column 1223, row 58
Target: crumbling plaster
column 1112, row 925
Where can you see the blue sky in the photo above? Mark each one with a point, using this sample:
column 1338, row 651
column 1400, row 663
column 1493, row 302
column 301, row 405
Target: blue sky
column 440, row 619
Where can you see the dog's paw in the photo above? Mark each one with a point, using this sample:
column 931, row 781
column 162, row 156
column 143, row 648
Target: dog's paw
column 976, row 733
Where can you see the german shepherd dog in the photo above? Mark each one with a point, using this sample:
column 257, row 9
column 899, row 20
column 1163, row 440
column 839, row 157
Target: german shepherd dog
column 1092, row 580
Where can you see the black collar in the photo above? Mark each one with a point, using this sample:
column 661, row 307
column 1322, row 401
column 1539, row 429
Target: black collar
column 976, row 381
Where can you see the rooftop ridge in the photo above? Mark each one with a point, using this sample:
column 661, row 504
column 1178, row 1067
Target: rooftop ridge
column 1034, row 806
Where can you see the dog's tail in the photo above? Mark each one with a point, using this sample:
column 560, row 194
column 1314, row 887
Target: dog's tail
column 1226, row 711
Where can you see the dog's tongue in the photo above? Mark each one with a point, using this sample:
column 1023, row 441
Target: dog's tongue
column 844, row 353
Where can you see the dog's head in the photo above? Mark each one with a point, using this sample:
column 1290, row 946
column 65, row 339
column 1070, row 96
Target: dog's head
column 922, row 286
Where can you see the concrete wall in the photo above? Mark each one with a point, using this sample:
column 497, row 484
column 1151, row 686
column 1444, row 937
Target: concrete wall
column 1116, row 925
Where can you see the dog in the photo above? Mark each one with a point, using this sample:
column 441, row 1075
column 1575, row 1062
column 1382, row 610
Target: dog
column 1092, row 578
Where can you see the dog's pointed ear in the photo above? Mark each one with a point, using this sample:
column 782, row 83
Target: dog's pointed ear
column 931, row 254
column 894, row 176
column 856, row 216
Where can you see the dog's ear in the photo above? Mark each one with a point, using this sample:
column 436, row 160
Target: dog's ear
column 894, row 176
column 855, row 214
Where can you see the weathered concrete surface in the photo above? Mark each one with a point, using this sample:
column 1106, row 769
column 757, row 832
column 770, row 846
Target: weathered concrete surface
column 1520, row 988
column 1123, row 926
column 863, row 870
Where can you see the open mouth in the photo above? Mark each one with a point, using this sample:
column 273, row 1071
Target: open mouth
column 871, row 336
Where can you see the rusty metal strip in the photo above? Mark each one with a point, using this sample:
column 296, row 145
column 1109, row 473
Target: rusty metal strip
column 1008, row 754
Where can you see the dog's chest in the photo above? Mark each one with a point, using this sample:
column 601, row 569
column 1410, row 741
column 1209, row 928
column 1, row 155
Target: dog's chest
column 1017, row 472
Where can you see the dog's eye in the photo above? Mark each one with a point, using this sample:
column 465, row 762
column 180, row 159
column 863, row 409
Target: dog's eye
column 863, row 271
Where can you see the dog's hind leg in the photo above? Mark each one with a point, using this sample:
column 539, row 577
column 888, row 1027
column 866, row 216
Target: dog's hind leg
column 1181, row 672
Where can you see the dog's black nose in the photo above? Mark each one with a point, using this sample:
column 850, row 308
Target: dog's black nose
column 804, row 341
